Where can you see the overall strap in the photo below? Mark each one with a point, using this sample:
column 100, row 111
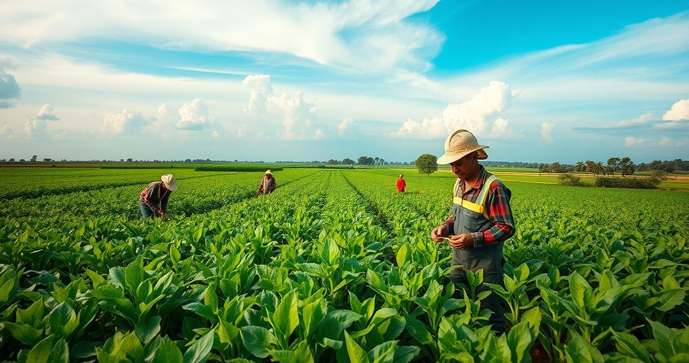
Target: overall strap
column 479, row 206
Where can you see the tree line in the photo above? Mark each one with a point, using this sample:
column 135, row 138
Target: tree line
column 623, row 166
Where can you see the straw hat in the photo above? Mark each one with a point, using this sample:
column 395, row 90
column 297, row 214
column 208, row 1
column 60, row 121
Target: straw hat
column 268, row 172
column 460, row 144
column 169, row 181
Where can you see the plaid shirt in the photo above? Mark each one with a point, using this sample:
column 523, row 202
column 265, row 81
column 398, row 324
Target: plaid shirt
column 499, row 211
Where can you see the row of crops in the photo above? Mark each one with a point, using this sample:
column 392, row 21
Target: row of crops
column 336, row 266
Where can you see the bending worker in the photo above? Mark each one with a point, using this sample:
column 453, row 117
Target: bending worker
column 481, row 219
column 401, row 184
column 153, row 200
column 267, row 183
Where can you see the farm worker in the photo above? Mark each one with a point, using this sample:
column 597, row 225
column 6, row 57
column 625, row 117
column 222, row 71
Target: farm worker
column 153, row 200
column 267, row 183
column 481, row 219
column 401, row 184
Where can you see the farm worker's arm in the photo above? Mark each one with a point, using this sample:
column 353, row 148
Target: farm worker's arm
column 163, row 202
column 442, row 230
column 148, row 193
column 499, row 213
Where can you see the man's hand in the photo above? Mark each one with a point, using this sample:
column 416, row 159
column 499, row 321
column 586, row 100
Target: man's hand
column 161, row 213
column 461, row 241
column 439, row 232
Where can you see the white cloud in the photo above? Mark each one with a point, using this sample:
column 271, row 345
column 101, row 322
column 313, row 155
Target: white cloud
column 215, row 134
column 260, row 90
column 298, row 115
column 546, row 132
column 46, row 113
column 37, row 127
column 639, row 120
column 665, row 141
column 682, row 143
column 6, row 131
column 481, row 115
column 348, row 126
column 679, row 111
column 631, row 141
column 194, row 116
column 127, row 122
column 361, row 35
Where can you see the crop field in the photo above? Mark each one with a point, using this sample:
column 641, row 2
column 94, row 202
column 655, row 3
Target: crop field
column 335, row 265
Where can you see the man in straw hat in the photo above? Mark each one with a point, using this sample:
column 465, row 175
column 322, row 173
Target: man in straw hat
column 481, row 219
column 153, row 200
column 267, row 183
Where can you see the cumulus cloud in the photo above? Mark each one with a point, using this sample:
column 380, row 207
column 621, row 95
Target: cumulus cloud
column 631, row 141
column 37, row 126
column 194, row 116
column 679, row 111
column 46, row 113
column 546, row 131
column 127, row 122
column 261, row 89
column 297, row 114
column 348, row 126
column 9, row 88
column 6, row 131
column 481, row 115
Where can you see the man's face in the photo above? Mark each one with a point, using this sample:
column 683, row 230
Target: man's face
column 465, row 166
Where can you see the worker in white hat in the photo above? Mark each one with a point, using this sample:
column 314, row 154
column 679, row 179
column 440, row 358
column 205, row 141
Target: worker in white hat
column 481, row 219
column 267, row 183
column 153, row 199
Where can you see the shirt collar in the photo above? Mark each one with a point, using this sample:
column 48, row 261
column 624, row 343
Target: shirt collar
column 482, row 176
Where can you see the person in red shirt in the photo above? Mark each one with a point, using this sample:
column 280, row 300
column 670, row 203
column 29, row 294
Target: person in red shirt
column 401, row 184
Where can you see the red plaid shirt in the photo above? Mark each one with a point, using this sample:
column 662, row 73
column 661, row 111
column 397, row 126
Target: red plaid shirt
column 499, row 211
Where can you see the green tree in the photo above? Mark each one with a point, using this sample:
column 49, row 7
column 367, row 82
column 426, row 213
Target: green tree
column 427, row 164
column 613, row 165
column 626, row 166
column 347, row 161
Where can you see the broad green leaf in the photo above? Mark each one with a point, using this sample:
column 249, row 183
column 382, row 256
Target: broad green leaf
column 167, row 352
column 49, row 350
column 402, row 255
column 356, row 354
column 579, row 350
column 383, row 353
column 63, row 321
column 405, row 354
column 668, row 300
column 175, row 256
column 134, row 274
column 336, row 321
column 148, row 328
column 630, row 345
column 257, row 340
column 198, row 352
column 286, row 316
column 24, row 333
column 578, row 287
column 520, row 340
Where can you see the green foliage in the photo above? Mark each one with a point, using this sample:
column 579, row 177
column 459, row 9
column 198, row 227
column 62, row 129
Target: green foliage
column 426, row 164
column 237, row 168
column 331, row 267
column 569, row 180
column 633, row 183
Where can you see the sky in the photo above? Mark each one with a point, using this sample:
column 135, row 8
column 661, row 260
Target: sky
column 537, row 81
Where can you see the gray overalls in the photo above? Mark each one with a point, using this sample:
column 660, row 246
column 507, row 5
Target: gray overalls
column 473, row 217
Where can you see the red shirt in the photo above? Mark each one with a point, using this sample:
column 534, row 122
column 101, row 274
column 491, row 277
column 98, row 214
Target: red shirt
column 401, row 184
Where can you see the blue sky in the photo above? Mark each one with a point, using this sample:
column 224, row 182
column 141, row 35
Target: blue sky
column 538, row 81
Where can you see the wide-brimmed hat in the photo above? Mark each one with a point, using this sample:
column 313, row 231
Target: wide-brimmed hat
column 460, row 144
column 268, row 172
column 169, row 181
